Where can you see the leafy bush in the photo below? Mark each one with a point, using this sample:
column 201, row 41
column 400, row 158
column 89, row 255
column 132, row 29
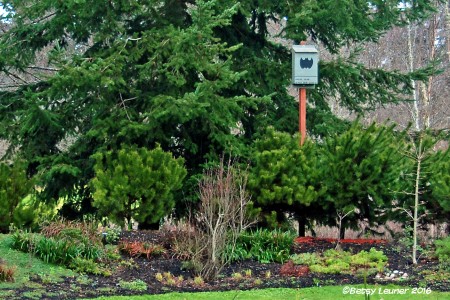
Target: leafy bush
column 443, row 251
column 263, row 245
column 111, row 235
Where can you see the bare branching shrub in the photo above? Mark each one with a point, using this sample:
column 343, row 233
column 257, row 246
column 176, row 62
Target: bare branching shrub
column 221, row 217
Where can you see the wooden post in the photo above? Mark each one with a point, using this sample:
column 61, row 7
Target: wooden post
column 302, row 114
column 302, row 110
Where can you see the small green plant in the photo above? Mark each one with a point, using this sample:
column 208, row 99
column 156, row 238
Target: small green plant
column 191, row 265
column 83, row 279
column 237, row 276
column 268, row 274
column 47, row 278
column 198, row 280
column 85, row 266
column 305, row 259
column 257, row 281
column 168, row 275
column 316, row 281
column 112, row 253
column 159, row 277
column 171, row 281
column 136, row 285
column 111, row 235
column 248, row 273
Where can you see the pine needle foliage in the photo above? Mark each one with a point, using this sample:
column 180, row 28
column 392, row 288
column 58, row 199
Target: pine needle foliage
column 136, row 183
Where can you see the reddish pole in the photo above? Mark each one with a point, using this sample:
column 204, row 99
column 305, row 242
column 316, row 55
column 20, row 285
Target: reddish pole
column 302, row 110
column 302, row 114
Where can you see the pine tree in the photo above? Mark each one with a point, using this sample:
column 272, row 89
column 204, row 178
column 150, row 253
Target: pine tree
column 285, row 177
column 136, row 183
column 362, row 170
column 425, row 194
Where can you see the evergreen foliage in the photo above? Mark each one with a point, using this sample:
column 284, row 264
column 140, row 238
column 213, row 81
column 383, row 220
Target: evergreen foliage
column 363, row 168
column 285, row 177
column 14, row 186
column 136, row 183
column 197, row 77
column 433, row 179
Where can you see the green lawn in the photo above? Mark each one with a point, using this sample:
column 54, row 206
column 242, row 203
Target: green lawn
column 315, row 293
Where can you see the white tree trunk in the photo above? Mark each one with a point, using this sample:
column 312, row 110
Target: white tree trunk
column 416, row 201
column 415, row 109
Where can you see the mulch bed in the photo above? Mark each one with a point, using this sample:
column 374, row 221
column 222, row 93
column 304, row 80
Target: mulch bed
column 146, row 269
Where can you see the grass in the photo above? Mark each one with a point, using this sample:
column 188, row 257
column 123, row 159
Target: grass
column 28, row 266
column 315, row 293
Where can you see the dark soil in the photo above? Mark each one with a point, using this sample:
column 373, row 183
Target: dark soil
column 145, row 269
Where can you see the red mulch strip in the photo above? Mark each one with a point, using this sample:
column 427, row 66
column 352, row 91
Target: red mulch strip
column 312, row 240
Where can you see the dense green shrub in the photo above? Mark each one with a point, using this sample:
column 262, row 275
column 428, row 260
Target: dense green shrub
column 14, row 187
column 136, row 183
column 443, row 251
column 263, row 245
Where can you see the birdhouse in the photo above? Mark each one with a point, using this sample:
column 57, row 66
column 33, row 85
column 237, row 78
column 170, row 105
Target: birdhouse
column 305, row 66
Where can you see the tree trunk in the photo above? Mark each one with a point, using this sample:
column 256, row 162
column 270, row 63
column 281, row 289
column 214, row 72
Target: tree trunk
column 415, row 111
column 416, row 202
column 301, row 226
column 341, row 232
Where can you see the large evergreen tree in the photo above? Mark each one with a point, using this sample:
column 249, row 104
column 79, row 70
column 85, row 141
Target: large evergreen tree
column 197, row 77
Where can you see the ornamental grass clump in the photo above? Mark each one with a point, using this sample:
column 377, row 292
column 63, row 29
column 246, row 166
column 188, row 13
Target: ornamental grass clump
column 263, row 245
column 6, row 273
column 70, row 245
